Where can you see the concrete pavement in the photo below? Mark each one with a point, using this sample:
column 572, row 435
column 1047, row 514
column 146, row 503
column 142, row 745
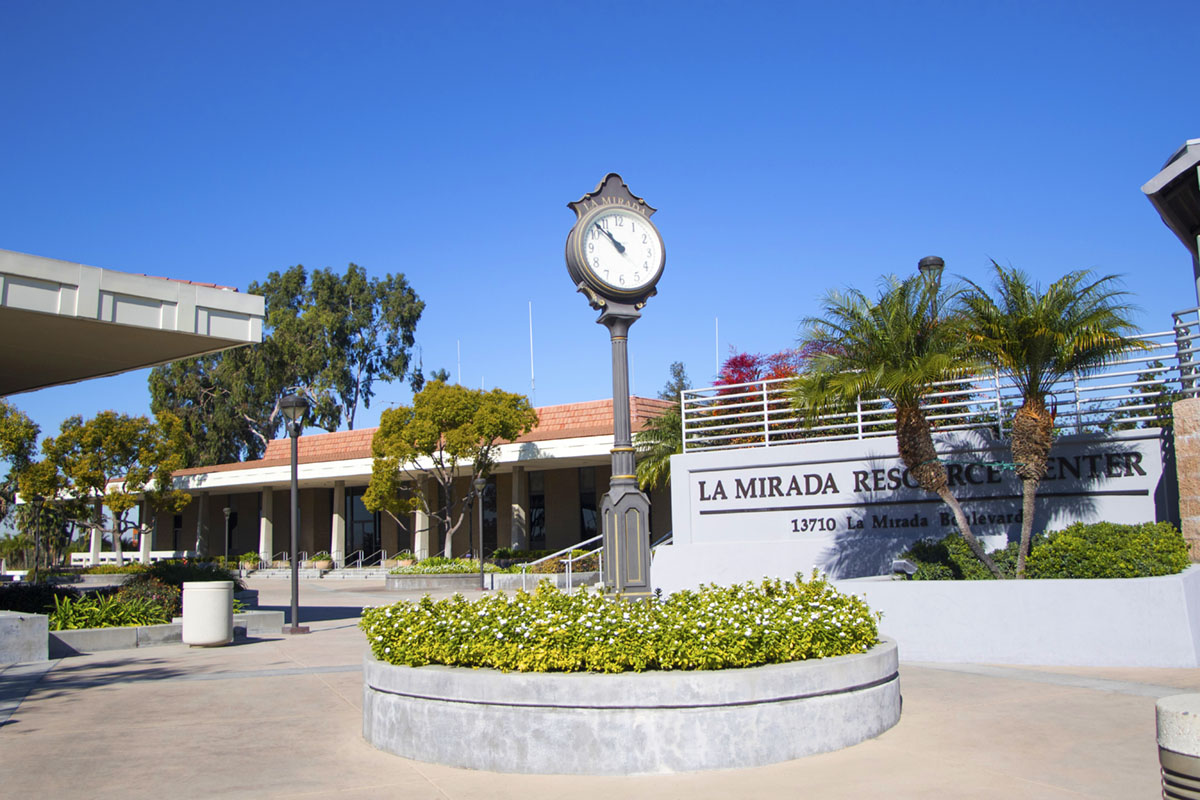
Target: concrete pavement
column 280, row 717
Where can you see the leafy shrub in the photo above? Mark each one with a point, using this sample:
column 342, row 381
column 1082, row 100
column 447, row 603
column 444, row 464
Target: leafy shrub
column 950, row 559
column 113, row 569
column 33, row 598
column 589, row 564
column 251, row 558
column 549, row 631
column 513, row 556
column 1097, row 550
column 440, row 565
column 177, row 573
column 1110, row 550
column 166, row 596
column 104, row 612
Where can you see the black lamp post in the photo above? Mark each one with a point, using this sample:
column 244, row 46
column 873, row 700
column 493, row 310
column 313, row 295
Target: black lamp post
column 293, row 406
column 479, row 484
column 37, row 501
column 227, row 511
column 931, row 267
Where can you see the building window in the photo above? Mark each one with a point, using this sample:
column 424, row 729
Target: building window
column 176, row 531
column 589, row 520
column 537, row 511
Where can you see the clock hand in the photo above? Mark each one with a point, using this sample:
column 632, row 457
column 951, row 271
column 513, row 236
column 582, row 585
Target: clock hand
column 620, row 247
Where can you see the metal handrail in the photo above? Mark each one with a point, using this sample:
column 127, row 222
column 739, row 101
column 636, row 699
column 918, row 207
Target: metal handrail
column 598, row 552
column 556, row 554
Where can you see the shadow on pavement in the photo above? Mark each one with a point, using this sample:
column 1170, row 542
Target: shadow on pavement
column 317, row 613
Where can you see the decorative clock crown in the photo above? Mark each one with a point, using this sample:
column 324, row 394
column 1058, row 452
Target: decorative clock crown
column 611, row 191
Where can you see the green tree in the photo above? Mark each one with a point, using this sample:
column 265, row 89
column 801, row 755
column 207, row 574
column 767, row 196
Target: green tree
column 662, row 437
column 113, row 457
column 449, row 432
column 894, row 347
column 1037, row 338
column 331, row 334
column 18, row 446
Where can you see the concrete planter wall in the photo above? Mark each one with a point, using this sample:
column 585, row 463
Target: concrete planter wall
column 629, row 723
column 1129, row 622
column 22, row 637
column 491, row 580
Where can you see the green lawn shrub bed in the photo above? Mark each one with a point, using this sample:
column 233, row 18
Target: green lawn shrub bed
column 1096, row 550
column 111, row 611
column 440, row 565
column 548, row 631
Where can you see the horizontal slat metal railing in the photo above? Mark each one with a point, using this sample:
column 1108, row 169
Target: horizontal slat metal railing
column 1133, row 391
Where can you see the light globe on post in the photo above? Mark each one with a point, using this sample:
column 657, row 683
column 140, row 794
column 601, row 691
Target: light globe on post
column 931, row 267
column 293, row 406
column 37, row 502
column 479, row 484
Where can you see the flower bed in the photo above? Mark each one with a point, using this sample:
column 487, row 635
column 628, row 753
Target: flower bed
column 548, row 631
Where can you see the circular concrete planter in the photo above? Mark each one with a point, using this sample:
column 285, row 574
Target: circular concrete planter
column 629, row 723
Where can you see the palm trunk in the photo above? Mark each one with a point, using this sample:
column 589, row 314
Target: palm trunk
column 1028, row 493
column 1032, row 436
column 963, row 527
column 915, row 442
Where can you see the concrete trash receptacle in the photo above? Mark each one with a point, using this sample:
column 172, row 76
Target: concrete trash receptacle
column 208, row 613
column 1178, row 722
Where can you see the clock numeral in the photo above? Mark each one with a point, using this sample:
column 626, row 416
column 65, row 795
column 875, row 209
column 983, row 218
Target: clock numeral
column 591, row 246
column 620, row 222
column 645, row 240
column 605, row 272
column 646, row 265
column 596, row 262
column 622, row 280
column 637, row 276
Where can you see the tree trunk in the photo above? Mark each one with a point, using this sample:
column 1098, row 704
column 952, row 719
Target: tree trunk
column 915, row 443
column 1033, row 434
column 1028, row 493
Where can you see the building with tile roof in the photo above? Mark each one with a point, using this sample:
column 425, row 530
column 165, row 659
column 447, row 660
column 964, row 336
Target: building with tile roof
column 543, row 493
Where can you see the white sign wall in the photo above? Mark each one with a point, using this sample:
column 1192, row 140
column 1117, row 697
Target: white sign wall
column 849, row 508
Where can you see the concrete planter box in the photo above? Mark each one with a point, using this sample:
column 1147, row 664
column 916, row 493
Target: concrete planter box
column 22, row 637
column 1129, row 622
column 93, row 640
column 491, row 580
column 630, row 723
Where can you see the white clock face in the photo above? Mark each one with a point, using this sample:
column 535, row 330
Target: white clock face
column 622, row 249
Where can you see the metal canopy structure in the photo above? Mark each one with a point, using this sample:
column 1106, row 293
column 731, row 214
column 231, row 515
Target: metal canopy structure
column 1175, row 195
column 62, row 322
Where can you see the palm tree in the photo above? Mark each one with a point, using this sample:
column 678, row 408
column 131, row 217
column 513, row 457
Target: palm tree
column 895, row 347
column 656, row 443
column 1079, row 324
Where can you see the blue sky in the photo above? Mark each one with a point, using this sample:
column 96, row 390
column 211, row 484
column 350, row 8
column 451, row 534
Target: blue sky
column 790, row 147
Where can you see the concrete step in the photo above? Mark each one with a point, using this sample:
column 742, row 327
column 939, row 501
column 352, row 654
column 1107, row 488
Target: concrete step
column 365, row 574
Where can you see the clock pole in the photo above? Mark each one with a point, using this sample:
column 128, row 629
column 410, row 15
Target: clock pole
column 625, row 510
column 615, row 257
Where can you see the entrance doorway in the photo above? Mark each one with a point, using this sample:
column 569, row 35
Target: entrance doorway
column 362, row 526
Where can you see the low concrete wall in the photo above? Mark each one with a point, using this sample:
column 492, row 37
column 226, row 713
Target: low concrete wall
column 93, row 640
column 1131, row 622
column 629, row 723
column 22, row 637
column 491, row 580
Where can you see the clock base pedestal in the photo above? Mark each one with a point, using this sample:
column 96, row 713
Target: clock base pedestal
column 625, row 515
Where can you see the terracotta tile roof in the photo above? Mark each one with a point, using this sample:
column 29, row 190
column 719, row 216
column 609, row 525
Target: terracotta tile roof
column 193, row 283
column 593, row 418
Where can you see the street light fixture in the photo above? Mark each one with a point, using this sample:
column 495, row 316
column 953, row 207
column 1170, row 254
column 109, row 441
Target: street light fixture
column 37, row 501
column 293, row 405
column 931, row 267
column 227, row 511
column 479, row 484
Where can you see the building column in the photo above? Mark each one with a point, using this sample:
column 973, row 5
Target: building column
column 97, row 534
column 1187, row 470
column 421, row 533
column 337, row 544
column 201, row 548
column 519, row 536
column 145, row 532
column 266, row 526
